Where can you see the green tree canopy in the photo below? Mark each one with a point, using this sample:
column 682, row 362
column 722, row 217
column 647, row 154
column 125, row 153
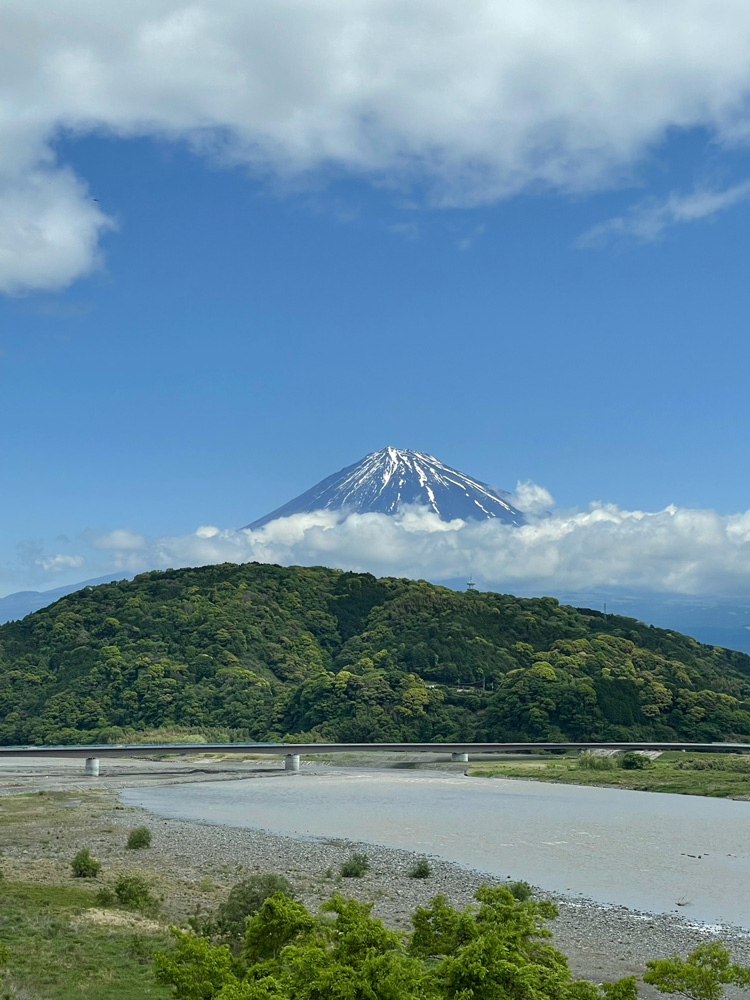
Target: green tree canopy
column 260, row 652
column 701, row 976
column 498, row 950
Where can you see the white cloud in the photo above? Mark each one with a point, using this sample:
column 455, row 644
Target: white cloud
column 49, row 229
column 675, row 550
column 207, row 531
column 478, row 100
column 532, row 498
column 648, row 220
column 54, row 564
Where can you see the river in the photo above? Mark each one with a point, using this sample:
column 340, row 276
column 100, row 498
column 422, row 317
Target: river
column 652, row 852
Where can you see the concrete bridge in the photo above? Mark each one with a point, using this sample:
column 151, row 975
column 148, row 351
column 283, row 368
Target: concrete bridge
column 292, row 751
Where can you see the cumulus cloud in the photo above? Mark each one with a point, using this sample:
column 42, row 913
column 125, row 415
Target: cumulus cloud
column 49, row 229
column 676, row 550
column 476, row 101
column 207, row 531
column 647, row 221
column 532, row 498
column 54, row 564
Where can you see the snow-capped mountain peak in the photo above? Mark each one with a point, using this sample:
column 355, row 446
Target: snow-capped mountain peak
column 384, row 481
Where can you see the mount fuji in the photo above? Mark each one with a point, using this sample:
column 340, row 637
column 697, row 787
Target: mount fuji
column 383, row 481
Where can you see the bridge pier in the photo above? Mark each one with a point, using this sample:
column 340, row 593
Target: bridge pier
column 92, row 767
column 462, row 758
column 291, row 762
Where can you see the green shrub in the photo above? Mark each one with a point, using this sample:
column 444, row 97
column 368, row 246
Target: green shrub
column 245, row 900
column 520, row 890
column 357, row 866
column 105, row 897
column 589, row 761
column 138, row 838
column 421, row 869
column 84, row 866
column 490, row 951
column 133, row 891
column 633, row 761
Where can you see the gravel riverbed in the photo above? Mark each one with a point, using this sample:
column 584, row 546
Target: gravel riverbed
column 196, row 863
column 601, row 942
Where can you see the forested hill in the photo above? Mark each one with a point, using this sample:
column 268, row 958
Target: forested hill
column 263, row 652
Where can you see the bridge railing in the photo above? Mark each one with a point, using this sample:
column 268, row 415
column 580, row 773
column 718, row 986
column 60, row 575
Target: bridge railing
column 292, row 751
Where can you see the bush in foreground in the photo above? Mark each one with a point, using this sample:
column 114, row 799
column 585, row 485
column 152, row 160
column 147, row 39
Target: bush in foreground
column 355, row 867
column 133, row 891
column 84, row 866
column 138, row 838
column 489, row 950
column 498, row 949
column 421, row 869
column 701, row 976
column 520, row 890
column 245, row 899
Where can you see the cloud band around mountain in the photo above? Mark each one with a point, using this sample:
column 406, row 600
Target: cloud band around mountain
column 677, row 550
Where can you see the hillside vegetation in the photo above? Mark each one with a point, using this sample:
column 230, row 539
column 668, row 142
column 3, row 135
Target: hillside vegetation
column 262, row 652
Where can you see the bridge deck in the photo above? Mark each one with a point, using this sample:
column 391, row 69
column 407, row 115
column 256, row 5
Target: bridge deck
column 273, row 749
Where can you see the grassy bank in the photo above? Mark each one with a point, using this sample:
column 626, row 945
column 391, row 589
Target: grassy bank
column 59, row 939
column 59, row 945
column 716, row 775
column 56, row 940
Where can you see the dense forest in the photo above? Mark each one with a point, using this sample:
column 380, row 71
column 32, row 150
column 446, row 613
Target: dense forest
column 262, row 652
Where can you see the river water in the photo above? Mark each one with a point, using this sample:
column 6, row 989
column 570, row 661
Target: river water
column 644, row 850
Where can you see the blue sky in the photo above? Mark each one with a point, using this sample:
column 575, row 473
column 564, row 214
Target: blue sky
column 220, row 314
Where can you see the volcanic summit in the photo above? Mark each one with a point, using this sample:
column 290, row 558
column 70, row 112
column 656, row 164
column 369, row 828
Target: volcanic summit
column 386, row 480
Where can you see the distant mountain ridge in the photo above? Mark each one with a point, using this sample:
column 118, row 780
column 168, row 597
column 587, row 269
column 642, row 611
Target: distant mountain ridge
column 386, row 480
